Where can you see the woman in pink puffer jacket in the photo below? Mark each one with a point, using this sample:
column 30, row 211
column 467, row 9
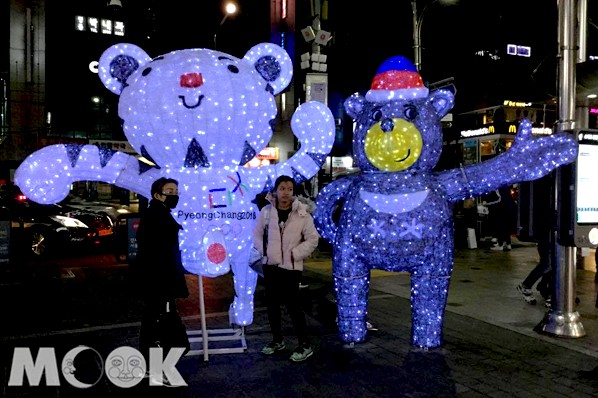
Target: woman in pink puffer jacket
column 291, row 237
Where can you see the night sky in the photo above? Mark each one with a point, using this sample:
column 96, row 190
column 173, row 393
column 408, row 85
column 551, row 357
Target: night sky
column 364, row 35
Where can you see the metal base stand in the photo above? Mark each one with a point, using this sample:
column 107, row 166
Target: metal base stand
column 563, row 320
column 232, row 334
column 561, row 324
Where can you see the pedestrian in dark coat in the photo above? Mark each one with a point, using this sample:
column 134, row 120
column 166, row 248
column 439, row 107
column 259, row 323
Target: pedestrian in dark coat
column 504, row 212
column 159, row 273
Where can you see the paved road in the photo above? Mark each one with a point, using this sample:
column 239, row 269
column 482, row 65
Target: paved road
column 479, row 359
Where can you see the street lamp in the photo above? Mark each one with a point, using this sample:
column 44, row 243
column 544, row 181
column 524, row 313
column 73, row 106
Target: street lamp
column 230, row 9
column 417, row 27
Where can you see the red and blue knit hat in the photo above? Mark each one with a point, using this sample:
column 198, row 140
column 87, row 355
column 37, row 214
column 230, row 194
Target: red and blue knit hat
column 397, row 78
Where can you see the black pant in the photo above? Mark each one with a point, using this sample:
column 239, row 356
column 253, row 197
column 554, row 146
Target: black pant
column 542, row 270
column 282, row 287
column 149, row 333
column 503, row 232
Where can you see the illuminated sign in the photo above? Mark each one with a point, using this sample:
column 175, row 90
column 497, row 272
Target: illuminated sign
column 491, row 55
column 588, row 136
column 106, row 26
column 516, row 104
column 123, row 146
column 474, row 133
column 96, row 25
column 512, row 130
column 93, row 66
column 269, row 152
column 594, row 111
column 541, row 131
column 522, row 51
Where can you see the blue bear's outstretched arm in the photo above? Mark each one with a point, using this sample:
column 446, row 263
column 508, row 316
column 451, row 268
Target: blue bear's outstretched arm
column 528, row 159
column 325, row 204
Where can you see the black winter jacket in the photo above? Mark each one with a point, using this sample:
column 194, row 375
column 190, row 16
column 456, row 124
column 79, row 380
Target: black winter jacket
column 159, row 272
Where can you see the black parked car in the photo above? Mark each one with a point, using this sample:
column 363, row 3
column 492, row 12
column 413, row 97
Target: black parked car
column 40, row 230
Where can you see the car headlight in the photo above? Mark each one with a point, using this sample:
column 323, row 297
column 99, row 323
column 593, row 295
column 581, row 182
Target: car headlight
column 69, row 221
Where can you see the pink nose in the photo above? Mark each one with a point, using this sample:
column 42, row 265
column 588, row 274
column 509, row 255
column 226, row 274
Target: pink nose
column 191, row 80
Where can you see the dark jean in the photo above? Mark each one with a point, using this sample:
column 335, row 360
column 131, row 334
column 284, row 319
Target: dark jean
column 542, row 270
column 282, row 287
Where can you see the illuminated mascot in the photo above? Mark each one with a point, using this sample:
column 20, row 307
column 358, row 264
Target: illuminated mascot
column 397, row 214
column 199, row 115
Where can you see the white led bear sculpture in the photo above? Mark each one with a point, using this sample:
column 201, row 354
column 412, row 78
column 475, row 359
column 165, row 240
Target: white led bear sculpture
column 199, row 116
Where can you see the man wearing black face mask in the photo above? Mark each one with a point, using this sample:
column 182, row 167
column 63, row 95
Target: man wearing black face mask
column 159, row 271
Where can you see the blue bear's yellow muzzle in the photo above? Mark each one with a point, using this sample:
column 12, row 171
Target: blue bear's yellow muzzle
column 394, row 150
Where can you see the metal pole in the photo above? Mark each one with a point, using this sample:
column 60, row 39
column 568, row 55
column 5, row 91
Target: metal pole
column 582, row 17
column 316, row 25
column 202, row 315
column 562, row 319
column 417, row 50
column 218, row 28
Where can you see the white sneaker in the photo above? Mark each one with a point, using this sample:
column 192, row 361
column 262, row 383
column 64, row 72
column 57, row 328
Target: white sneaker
column 371, row 327
column 527, row 294
column 497, row 247
column 507, row 248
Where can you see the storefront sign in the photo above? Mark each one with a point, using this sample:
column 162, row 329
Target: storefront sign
column 516, row 104
column 475, row 133
column 132, row 224
column 512, row 129
column 122, row 146
column 269, row 152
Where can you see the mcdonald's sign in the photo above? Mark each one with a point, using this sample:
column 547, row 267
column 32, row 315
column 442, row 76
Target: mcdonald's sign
column 491, row 129
column 512, row 128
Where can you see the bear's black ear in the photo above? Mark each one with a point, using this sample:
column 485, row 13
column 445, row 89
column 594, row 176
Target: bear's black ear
column 442, row 101
column 119, row 62
column 354, row 105
column 273, row 64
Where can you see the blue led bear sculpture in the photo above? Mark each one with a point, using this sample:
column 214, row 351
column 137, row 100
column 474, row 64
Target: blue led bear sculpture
column 397, row 214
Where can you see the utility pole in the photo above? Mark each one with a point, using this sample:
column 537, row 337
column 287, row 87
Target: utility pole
column 562, row 320
column 417, row 49
column 418, row 19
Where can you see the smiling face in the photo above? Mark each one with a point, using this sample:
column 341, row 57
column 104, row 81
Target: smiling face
column 394, row 145
column 196, row 108
column 399, row 135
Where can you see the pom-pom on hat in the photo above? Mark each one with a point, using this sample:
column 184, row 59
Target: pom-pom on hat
column 397, row 78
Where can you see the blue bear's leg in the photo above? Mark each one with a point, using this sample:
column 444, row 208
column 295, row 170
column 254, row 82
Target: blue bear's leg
column 351, row 284
column 428, row 302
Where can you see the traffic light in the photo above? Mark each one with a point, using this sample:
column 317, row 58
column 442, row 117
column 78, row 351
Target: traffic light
column 578, row 194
